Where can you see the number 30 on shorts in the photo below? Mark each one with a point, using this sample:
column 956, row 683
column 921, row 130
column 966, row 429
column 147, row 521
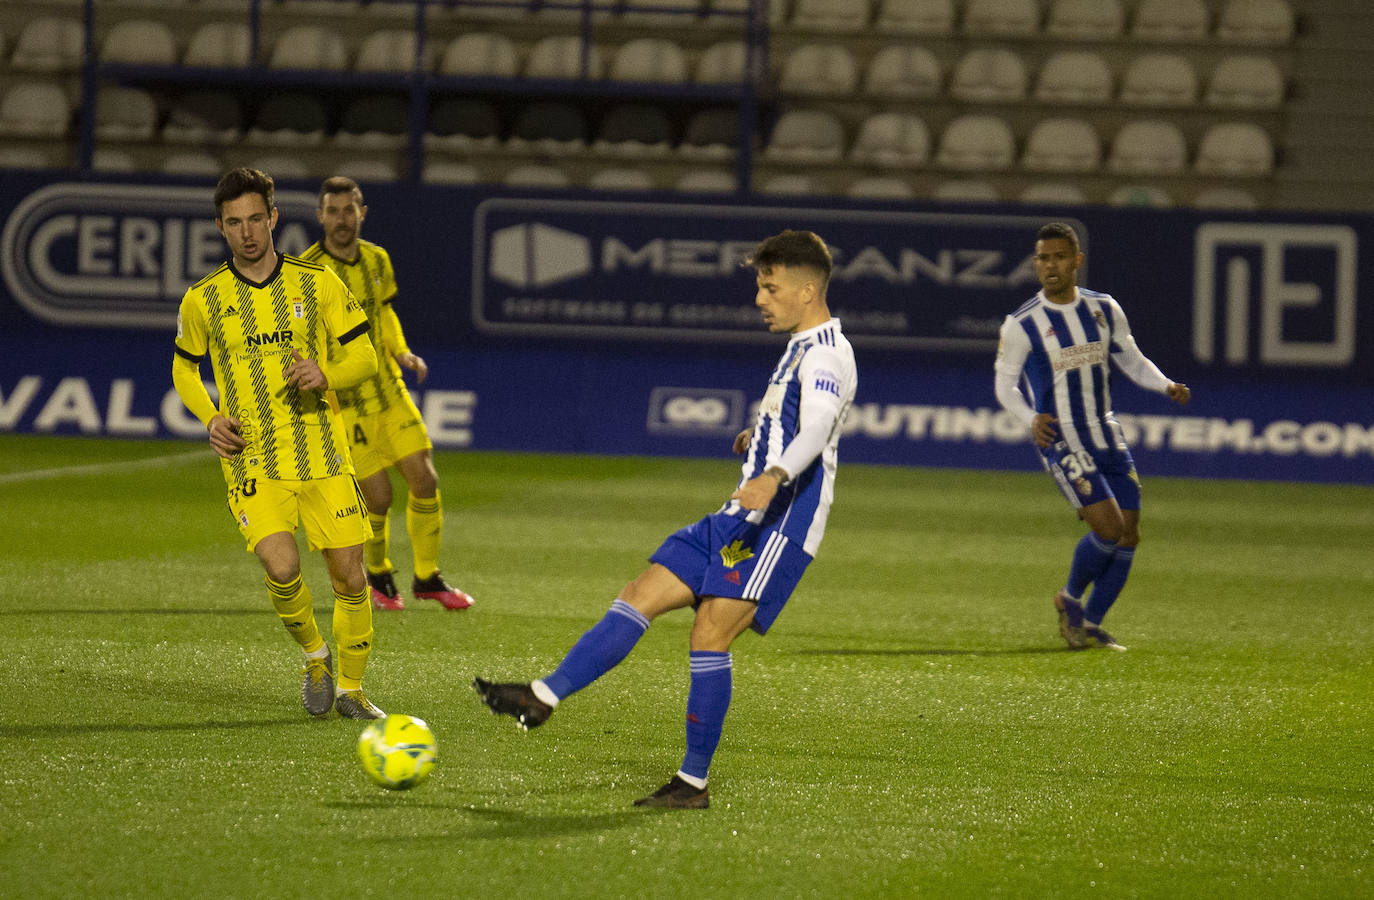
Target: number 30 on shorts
column 1077, row 463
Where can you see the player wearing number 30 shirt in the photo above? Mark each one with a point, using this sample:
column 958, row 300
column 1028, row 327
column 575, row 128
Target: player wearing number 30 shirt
column 1059, row 345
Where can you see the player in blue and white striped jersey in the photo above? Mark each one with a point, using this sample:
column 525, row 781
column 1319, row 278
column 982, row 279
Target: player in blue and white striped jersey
column 1060, row 343
column 737, row 567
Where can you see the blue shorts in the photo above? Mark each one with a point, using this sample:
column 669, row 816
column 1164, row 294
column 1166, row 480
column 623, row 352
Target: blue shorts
column 1087, row 476
column 727, row 556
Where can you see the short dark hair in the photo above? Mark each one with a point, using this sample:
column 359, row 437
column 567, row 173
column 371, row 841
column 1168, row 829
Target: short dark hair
column 340, row 184
column 237, row 182
column 793, row 249
column 1059, row 231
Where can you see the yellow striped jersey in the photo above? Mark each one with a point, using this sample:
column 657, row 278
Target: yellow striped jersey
column 247, row 330
column 373, row 282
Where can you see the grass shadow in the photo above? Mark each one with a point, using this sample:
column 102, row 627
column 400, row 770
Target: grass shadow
column 502, row 824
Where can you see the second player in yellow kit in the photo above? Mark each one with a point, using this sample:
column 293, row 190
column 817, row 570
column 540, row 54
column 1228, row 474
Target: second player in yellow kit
column 382, row 424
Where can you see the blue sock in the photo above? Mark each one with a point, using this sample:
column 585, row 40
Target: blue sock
column 707, row 702
column 1090, row 559
column 599, row 650
column 1109, row 585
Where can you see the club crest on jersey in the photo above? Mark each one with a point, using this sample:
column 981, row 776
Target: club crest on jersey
column 735, row 553
column 1101, row 318
column 298, row 309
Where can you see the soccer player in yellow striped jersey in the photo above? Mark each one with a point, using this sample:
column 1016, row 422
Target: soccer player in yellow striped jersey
column 383, row 425
column 279, row 333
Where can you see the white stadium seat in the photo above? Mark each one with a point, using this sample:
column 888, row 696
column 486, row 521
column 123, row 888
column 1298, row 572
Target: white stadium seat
column 1246, row 82
column 1256, row 22
column 1148, row 146
column 1086, row 20
column 973, row 142
column 1074, row 76
column 1177, row 21
column 1235, row 149
column 891, row 139
column 806, row 135
column 819, row 69
column 1159, row 79
column 1001, row 18
column 924, row 17
column 903, row 71
column 989, row 75
column 1062, row 145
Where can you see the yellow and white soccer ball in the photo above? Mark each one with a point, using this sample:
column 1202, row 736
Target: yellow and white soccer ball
column 398, row 752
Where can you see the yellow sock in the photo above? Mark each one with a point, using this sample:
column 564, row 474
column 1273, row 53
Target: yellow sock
column 375, row 548
column 352, row 637
column 425, row 522
column 294, row 605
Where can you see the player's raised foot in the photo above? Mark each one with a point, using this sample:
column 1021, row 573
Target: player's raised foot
column 677, row 794
column 355, row 705
column 384, row 592
column 1070, row 620
column 1097, row 637
column 515, row 700
column 436, row 588
column 317, row 689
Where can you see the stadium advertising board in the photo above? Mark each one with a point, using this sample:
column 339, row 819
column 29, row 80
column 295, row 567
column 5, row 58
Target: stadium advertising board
column 631, row 325
column 640, row 404
column 903, row 280
column 121, row 256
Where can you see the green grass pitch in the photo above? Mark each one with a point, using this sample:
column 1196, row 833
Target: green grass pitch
column 912, row 727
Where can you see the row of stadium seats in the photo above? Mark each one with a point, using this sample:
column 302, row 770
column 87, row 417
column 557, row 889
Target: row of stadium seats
column 150, row 127
column 55, row 43
column 1000, row 75
column 986, row 143
column 808, row 136
column 1241, row 21
column 698, row 180
column 996, row 75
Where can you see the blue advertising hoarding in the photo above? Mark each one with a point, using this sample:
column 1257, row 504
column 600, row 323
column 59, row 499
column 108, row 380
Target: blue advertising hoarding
column 586, row 325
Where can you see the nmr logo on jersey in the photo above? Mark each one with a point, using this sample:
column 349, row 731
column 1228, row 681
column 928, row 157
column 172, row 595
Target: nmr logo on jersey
column 1281, row 294
column 696, row 411
column 122, row 255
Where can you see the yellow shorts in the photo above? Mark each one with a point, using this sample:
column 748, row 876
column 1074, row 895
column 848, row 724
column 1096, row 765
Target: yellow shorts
column 331, row 509
column 378, row 441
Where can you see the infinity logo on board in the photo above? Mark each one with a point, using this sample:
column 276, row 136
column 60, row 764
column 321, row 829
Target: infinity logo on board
column 702, row 411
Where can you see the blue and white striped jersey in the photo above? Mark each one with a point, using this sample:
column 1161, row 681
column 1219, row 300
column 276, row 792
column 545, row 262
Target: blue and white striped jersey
column 798, row 428
column 1063, row 351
